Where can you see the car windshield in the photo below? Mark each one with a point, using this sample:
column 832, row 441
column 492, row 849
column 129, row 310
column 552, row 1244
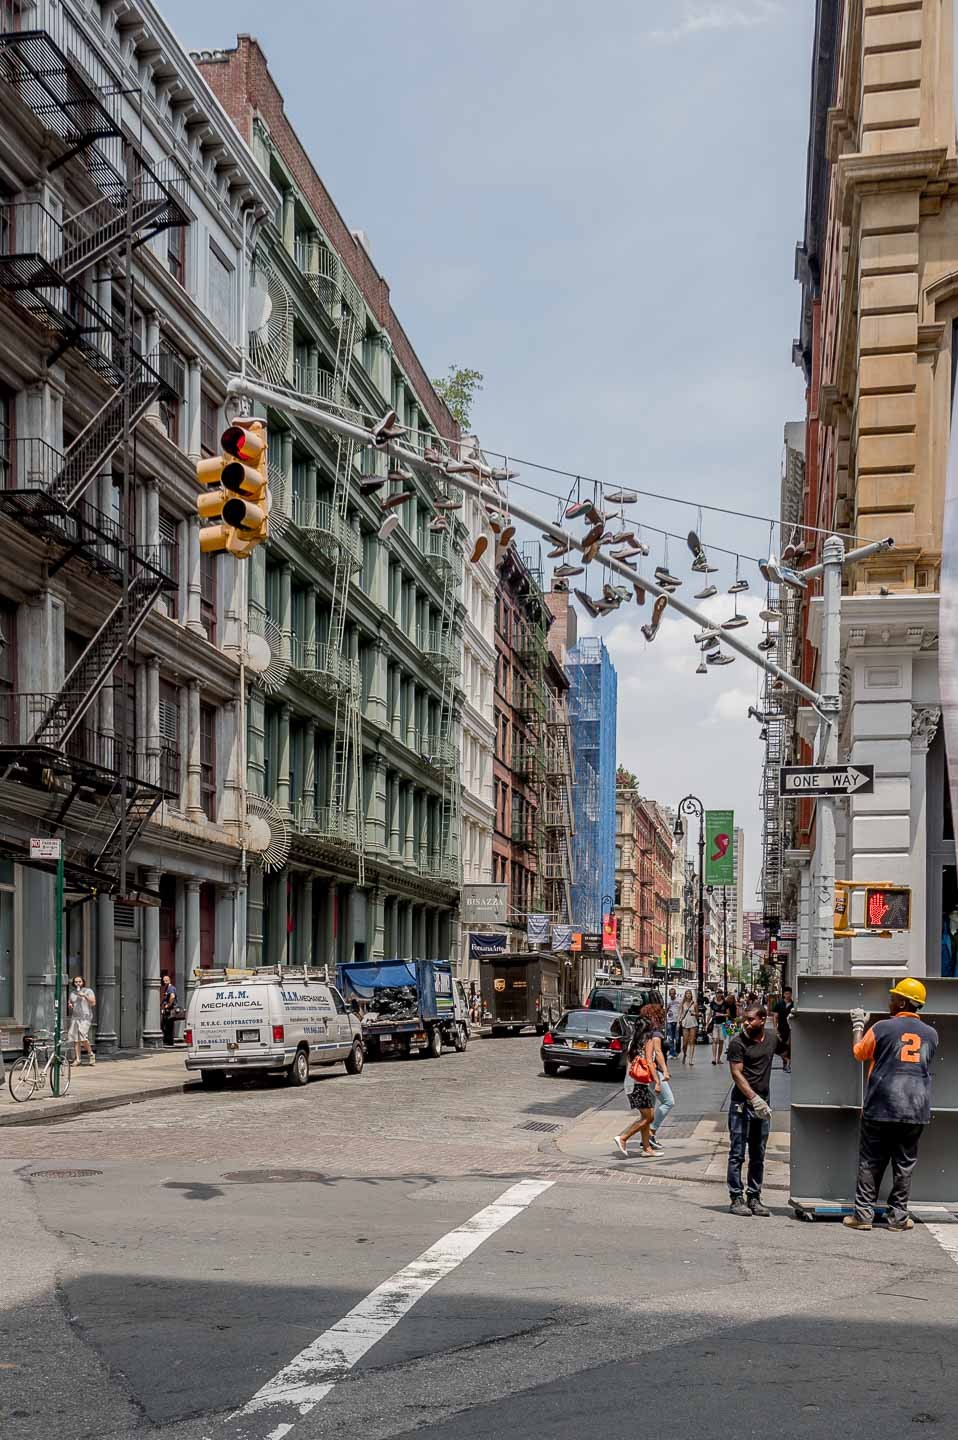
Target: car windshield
column 624, row 1002
column 592, row 1020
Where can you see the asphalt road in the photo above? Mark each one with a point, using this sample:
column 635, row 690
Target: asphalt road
column 224, row 1240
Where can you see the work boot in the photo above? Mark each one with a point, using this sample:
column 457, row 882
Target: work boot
column 853, row 1223
column 738, row 1206
column 906, row 1224
column 756, row 1206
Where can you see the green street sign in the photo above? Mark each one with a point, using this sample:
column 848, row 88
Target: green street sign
column 719, row 847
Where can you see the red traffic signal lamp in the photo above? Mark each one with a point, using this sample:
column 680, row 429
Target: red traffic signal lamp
column 237, row 499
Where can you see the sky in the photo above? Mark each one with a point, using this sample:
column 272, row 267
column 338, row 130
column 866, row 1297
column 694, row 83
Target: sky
column 596, row 206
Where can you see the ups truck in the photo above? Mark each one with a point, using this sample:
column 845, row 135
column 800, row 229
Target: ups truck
column 519, row 992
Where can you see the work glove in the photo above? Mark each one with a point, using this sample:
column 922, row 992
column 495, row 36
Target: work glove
column 858, row 1019
column 761, row 1108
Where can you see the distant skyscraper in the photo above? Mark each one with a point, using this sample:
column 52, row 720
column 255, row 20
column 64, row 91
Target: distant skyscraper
column 592, row 713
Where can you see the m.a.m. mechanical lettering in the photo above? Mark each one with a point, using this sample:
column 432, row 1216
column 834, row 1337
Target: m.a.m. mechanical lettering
column 231, row 1000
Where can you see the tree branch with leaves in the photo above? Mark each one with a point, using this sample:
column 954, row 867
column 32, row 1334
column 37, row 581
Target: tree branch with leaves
column 459, row 390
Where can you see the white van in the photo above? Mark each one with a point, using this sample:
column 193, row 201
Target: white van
column 273, row 1018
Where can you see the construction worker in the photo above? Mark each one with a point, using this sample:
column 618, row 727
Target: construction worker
column 897, row 1102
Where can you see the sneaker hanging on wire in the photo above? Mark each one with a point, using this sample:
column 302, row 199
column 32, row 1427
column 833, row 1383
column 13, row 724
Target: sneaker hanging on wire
column 658, row 610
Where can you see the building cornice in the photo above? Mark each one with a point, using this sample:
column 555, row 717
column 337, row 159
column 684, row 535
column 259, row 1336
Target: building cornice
column 903, row 620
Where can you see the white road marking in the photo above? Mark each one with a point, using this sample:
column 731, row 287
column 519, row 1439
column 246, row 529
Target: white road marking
column 947, row 1237
column 308, row 1378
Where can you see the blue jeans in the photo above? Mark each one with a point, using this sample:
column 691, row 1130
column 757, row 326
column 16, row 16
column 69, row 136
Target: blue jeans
column 746, row 1132
column 663, row 1104
column 672, row 1032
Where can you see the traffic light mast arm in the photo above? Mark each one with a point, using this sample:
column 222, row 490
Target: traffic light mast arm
column 279, row 400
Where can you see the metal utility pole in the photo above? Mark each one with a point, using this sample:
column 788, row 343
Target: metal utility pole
column 833, row 558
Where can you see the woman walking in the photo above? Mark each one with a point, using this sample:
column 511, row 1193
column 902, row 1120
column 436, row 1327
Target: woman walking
column 689, row 1026
column 664, row 1099
column 640, row 1085
column 719, row 1007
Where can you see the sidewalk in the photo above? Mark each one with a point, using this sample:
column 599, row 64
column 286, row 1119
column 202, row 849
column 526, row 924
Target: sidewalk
column 695, row 1135
column 121, row 1079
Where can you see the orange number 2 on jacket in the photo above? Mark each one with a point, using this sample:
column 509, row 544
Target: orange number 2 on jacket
column 910, row 1048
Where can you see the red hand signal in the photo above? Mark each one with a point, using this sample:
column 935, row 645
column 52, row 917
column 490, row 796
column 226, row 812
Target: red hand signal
column 721, row 846
column 878, row 908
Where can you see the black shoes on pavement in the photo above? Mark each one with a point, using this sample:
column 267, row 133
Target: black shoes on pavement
column 752, row 1206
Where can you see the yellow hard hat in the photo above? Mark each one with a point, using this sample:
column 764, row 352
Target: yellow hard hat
column 910, row 989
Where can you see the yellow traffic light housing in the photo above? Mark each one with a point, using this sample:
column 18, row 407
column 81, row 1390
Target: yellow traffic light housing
column 237, row 499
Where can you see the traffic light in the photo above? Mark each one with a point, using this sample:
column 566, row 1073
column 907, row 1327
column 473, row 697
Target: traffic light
column 237, row 499
column 887, row 907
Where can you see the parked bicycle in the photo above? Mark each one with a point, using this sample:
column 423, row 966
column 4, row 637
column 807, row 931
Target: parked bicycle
column 33, row 1071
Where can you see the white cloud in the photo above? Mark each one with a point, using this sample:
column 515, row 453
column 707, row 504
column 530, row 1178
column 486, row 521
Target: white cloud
column 699, row 19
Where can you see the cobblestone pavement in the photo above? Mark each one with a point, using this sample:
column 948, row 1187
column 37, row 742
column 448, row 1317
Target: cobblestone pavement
column 486, row 1111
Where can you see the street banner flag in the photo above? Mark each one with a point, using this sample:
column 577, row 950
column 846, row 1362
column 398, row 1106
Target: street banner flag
column 537, row 929
column 610, row 932
column 576, row 945
column 562, row 937
column 484, row 947
column 719, row 850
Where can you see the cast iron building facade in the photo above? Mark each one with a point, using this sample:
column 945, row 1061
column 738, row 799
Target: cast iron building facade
column 358, row 744
column 108, row 133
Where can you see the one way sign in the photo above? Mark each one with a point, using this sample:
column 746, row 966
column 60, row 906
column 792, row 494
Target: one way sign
column 815, row 780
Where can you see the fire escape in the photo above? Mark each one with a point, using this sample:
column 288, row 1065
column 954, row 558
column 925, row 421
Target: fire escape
column 52, row 744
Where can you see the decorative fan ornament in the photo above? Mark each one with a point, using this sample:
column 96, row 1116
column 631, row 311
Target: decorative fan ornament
column 267, row 834
column 267, row 653
column 269, row 311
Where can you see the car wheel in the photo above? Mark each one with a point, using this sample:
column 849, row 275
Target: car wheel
column 434, row 1049
column 496, row 1031
column 212, row 1079
column 356, row 1059
column 549, row 1067
column 461, row 1038
column 298, row 1072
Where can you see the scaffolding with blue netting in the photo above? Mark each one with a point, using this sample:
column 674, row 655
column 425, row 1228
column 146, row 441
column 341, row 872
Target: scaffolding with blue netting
column 592, row 713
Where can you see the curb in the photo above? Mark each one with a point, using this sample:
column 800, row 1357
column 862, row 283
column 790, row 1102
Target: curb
column 71, row 1108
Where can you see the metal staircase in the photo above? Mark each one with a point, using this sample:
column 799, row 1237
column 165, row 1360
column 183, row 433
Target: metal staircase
column 98, row 661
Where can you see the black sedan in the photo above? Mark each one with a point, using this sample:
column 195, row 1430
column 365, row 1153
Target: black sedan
column 586, row 1039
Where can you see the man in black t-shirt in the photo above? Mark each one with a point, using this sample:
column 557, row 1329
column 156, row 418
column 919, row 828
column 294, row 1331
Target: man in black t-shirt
column 750, row 1056
column 782, row 1011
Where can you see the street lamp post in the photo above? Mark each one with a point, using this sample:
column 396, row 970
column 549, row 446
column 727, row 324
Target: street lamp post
column 724, row 939
column 692, row 805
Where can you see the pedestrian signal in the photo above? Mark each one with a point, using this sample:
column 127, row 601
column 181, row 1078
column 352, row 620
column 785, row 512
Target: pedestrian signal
column 887, row 907
column 234, row 506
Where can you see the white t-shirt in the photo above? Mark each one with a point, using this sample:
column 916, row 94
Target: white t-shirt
column 81, row 1004
column 672, row 1011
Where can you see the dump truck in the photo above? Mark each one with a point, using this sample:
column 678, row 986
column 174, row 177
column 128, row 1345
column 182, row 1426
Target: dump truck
column 406, row 1007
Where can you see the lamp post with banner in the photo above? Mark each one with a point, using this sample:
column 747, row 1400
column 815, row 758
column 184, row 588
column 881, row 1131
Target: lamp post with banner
column 692, row 805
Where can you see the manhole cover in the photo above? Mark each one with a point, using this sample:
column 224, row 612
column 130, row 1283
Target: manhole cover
column 274, row 1177
column 537, row 1125
column 63, row 1174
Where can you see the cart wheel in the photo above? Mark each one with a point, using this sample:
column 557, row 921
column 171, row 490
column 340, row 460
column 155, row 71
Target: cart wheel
column 802, row 1214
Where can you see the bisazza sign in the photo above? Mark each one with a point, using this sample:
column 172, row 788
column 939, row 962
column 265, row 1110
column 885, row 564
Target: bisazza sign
column 484, row 904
